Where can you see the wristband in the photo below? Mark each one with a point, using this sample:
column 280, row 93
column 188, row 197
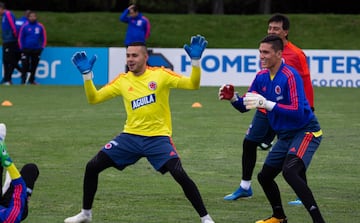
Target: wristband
column 234, row 98
column 195, row 63
column 269, row 105
column 88, row 76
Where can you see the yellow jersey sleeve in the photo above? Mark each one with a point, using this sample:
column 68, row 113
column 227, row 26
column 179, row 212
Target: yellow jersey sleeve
column 192, row 82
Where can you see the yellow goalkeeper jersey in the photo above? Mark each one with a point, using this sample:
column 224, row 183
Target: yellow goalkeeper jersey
column 145, row 97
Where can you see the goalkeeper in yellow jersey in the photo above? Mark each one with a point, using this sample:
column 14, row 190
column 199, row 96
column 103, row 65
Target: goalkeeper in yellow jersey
column 147, row 131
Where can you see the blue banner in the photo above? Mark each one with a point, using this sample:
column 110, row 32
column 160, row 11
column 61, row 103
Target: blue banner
column 55, row 66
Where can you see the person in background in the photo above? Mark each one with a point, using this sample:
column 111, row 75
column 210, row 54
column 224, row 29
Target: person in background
column 259, row 132
column 9, row 43
column 148, row 129
column 138, row 29
column 19, row 23
column 22, row 20
column 32, row 41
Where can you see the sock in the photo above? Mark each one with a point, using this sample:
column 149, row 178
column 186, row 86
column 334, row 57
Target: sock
column 316, row 215
column 248, row 159
column 206, row 217
column 29, row 173
column 245, row 184
column 86, row 212
column 278, row 212
column 13, row 171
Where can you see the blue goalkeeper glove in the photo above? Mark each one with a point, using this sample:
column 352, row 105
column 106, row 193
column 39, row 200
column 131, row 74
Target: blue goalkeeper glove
column 197, row 46
column 82, row 63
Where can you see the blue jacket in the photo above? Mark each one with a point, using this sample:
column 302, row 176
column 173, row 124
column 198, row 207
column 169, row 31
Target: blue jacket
column 292, row 110
column 20, row 22
column 32, row 36
column 138, row 27
column 9, row 33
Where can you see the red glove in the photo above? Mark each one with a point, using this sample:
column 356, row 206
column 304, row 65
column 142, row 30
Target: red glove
column 227, row 92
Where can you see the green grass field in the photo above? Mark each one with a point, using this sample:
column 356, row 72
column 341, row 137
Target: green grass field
column 54, row 127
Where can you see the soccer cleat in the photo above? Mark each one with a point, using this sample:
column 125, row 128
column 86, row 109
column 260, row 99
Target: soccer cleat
column 272, row 220
column 79, row 218
column 239, row 193
column 208, row 221
column 6, row 83
column 295, row 202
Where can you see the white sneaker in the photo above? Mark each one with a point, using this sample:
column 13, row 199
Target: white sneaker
column 79, row 218
column 8, row 83
column 2, row 131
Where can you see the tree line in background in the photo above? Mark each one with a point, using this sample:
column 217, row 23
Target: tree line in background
column 192, row 6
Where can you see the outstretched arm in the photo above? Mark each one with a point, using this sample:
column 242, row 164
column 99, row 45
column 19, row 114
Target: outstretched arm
column 194, row 50
column 192, row 82
column 85, row 65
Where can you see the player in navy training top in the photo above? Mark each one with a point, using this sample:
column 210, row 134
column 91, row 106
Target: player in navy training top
column 259, row 133
column 279, row 90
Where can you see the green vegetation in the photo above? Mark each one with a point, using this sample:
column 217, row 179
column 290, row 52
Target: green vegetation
column 225, row 31
column 54, row 127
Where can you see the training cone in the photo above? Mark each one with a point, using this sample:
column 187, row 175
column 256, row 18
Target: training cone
column 6, row 103
column 196, row 105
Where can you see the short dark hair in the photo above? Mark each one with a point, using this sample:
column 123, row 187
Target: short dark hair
column 135, row 8
column 139, row 43
column 2, row 5
column 275, row 41
column 281, row 18
column 27, row 12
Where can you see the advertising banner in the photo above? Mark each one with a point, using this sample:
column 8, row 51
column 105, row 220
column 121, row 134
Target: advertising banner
column 328, row 68
column 55, row 66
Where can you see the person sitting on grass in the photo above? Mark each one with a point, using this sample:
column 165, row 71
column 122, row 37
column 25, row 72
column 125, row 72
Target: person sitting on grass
column 14, row 202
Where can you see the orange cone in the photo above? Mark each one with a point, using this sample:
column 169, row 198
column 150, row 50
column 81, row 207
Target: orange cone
column 6, row 103
column 196, row 105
